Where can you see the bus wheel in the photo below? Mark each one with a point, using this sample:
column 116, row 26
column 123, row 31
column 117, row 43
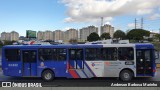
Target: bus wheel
column 126, row 75
column 48, row 75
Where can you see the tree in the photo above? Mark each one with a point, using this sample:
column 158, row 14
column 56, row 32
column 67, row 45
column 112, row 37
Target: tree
column 137, row 34
column 105, row 36
column 119, row 34
column 6, row 42
column 157, row 36
column 1, row 43
column 93, row 37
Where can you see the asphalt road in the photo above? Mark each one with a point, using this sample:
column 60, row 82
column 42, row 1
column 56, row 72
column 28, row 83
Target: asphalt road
column 78, row 82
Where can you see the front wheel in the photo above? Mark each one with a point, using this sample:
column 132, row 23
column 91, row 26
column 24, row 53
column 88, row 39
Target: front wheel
column 48, row 75
column 126, row 75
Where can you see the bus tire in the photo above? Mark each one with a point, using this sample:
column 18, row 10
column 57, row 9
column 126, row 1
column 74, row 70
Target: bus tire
column 126, row 75
column 48, row 75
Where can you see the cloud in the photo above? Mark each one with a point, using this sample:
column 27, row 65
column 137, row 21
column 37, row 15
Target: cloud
column 66, row 28
column 154, row 16
column 92, row 10
column 131, row 25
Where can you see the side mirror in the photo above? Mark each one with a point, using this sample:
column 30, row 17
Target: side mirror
column 156, row 54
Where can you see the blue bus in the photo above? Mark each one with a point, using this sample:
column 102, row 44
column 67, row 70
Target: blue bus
column 79, row 61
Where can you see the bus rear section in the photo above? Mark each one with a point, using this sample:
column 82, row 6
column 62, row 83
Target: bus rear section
column 145, row 60
column 106, row 61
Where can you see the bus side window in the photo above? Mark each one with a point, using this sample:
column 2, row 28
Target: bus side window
column 33, row 56
column 12, row 54
column 114, row 54
column 72, row 54
column 91, row 54
column 147, row 55
column 125, row 53
column 45, row 54
column 109, row 53
column 79, row 54
column 54, row 54
column 61, row 54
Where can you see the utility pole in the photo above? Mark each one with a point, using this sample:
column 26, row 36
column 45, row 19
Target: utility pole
column 101, row 21
column 135, row 23
column 101, row 25
column 142, row 23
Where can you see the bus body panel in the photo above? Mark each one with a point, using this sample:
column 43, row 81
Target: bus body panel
column 59, row 68
column 11, row 68
column 108, row 68
column 80, row 68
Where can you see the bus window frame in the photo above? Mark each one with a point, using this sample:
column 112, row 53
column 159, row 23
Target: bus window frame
column 100, row 59
column 115, row 51
column 19, row 56
column 134, row 53
column 52, row 54
column 86, row 58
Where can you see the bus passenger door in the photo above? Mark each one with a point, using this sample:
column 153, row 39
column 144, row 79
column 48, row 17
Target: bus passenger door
column 144, row 62
column 76, row 60
column 29, row 59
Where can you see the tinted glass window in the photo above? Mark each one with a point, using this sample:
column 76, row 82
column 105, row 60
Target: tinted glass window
column 61, row 54
column 109, row 53
column 126, row 53
column 93, row 54
column 29, row 56
column 52, row 54
column 72, row 54
column 45, row 54
column 147, row 55
column 101, row 54
column 76, row 54
column 12, row 54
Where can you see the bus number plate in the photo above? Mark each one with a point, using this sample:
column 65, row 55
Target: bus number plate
column 129, row 63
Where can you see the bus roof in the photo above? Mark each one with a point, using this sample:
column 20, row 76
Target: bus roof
column 137, row 45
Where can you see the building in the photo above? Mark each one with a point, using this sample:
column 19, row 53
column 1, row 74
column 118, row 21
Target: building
column 152, row 34
column 107, row 29
column 48, row 35
column 3, row 36
column 10, row 36
column 40, row 35
column 86, row 31
column 70, row 34
column 14, row 36
column 58, row 35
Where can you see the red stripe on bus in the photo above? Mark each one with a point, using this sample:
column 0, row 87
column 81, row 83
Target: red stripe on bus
column 154, row 70
column 73, row 73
